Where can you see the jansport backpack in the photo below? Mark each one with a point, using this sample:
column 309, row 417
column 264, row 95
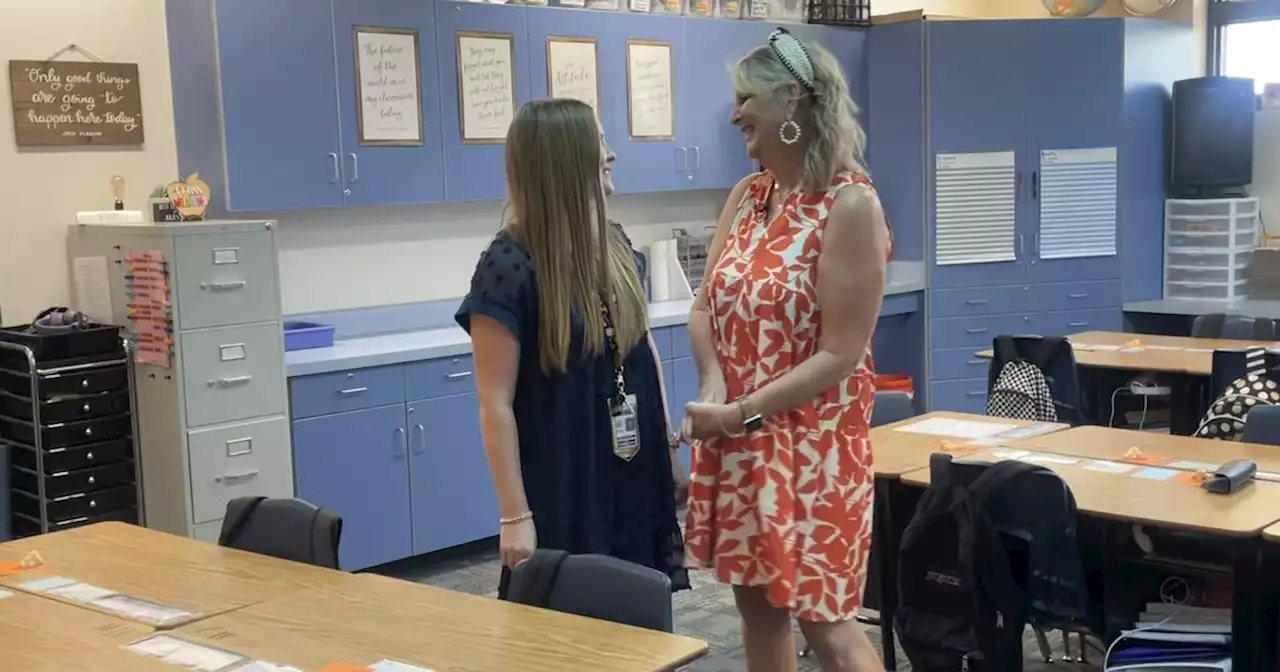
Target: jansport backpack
column 960, row 607
column 1021, row 390
column 1226, row 415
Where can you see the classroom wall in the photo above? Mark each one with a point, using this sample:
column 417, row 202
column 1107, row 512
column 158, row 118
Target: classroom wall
column 41, row 189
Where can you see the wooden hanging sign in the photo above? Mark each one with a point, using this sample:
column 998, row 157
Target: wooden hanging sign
column 69, row 103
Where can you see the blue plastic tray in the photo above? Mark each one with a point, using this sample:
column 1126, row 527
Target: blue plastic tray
column 307, row 335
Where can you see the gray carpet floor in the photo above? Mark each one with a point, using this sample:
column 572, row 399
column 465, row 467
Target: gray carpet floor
column 706, row 612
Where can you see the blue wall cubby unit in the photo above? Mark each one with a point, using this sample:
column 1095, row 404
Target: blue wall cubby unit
column 265, row 98
column 1023, row 240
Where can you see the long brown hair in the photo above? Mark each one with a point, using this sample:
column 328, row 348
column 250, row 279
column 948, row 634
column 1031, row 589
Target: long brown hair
column 554, row 154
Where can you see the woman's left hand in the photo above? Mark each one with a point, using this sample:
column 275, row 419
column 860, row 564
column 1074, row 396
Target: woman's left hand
column 711, row 420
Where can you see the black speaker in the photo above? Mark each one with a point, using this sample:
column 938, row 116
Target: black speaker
column 1212, row 144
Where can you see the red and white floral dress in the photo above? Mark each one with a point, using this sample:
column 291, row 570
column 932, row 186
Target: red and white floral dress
column 787, row 507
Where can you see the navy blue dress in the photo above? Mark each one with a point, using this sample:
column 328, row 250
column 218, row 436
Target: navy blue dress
column 584, row 498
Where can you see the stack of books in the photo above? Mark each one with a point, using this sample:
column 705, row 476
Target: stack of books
column 1175, row 638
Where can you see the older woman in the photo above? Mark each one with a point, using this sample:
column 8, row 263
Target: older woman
column 780, row 504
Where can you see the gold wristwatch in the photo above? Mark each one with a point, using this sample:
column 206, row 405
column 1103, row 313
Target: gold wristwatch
column 751, row 421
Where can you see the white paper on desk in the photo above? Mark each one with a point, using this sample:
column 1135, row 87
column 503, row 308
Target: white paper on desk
column 1010, row 454
column 1106, row 348
column 46, row 585
column 1132, row 351
column 81, row 592
column 1197, row 350
column 1188, row 465
column 985, row 441
column 393, row 666
column 962, row 429
column 1165, row 347
column 1038, row 429
column 264, row 666
column 4, row 594
column 1155, row 474
column 1042, row 458
column 184, row 654
column 1108, row 467
column 142, row 610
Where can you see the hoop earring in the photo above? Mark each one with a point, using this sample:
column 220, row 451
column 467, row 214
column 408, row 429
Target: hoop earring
column 789, row 132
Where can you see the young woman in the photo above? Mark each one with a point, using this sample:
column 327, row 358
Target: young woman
column 571, row 402
column 780, row 504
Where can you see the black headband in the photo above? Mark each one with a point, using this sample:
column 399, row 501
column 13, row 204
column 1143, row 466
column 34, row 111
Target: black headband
column 793, row 56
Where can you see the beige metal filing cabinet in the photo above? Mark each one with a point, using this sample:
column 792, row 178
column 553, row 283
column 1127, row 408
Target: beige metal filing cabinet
column 213, row 425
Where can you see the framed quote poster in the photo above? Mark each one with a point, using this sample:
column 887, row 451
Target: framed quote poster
column 650, row 90
column 486, row 86
column 573, row 69
column 388, row 86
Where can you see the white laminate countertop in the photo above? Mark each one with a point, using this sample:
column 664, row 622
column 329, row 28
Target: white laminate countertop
column 412, row 346
column 1265, row 308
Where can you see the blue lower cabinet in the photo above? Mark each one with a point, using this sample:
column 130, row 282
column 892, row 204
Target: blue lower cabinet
column 356, row 464
column 965, row 396
column 454, row 501
column 959, row 363
column 683, row 389
column 675, row 411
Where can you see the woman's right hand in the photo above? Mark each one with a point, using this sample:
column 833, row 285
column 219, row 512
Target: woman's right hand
column 516, row 542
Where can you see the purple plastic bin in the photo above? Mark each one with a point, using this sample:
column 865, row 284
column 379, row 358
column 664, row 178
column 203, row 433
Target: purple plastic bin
column 307, row 335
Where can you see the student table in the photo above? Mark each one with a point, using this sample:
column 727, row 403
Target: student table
column 1105, row 443
column 373, row 618
column 195, row 577
column 39, row 635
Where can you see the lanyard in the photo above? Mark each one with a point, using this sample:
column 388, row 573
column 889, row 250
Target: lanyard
column 611, row 340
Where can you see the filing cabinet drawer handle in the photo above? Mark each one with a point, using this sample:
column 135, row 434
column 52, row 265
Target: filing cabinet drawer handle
column 1081, row 295
column 1075, row 325
column 976, row 330
column 230, row 382
column 353, row 390
column 459, row 375
column 976, row 302
column 976, row 393
column 222, row 286
column 235, row 476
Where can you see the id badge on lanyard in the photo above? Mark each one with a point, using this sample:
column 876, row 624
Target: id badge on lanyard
column 626, row 427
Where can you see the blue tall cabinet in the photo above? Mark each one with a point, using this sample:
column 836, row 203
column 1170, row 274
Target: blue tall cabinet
column 1030, row 154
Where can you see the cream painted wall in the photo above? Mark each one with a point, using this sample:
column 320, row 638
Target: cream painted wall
column 41, row 189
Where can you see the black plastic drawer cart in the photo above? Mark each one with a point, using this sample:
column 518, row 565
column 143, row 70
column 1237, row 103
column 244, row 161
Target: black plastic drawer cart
column 68, row 420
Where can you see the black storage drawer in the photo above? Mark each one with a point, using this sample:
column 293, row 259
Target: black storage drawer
column 69, row 482
column 55, row 385
column 72, row 457
column 68, row 433
column 66, row 409
column 67, row 507
column 22, row 527
column 93, row 341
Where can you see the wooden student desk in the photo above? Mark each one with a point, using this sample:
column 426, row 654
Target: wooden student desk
column 375, row 618
column 896, row 453
column 1105, row 443
column 39, row 635
column 197, row 577
column 1195, row 356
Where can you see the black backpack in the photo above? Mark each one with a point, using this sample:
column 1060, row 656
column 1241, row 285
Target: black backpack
column 960, row 606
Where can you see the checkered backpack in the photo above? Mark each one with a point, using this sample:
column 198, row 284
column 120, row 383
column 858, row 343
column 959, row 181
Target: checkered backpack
column 1226, row 416
column 1021, row 391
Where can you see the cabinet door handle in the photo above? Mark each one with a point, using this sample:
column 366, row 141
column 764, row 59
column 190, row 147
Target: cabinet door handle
column 353, row 390
column 421, row 448
column 976, row 302
column 230, row 382
column 235, row 476
column 459, row 375
column 336, row 169
column 1035, row 184
column 1076, row 325
column 400, row 449
column 682, row 159
column 976, row 362
column 697, row 157
column 976, row 393
column 1081, row 295
column 355, row 167
column 976, row 330
column 222, row 286
column 1021, row 247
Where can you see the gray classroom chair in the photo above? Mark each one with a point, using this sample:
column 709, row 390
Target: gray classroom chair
column 1234, row 327
column 290, row 529
column 595, row 586
column 1262, row 425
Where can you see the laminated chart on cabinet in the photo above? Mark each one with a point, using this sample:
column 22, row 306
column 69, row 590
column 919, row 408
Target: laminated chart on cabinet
column 976, row 208
column 1077, row 203
column 150, row 310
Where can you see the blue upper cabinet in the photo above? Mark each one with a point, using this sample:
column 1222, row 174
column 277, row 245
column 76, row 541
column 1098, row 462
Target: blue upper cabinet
column 650, row 163
column 384, row 173
column 476, row 167
column 279, row 105
column 977, row 122
column 1075, row 113
column 711, row 48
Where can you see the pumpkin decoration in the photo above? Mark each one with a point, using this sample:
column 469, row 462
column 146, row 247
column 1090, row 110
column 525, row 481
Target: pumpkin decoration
column 190, row 197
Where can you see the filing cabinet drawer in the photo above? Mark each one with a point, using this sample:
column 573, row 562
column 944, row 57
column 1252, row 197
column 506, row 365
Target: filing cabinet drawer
column 1075, row 295
column 1065, row 323
column 961, row 332
column 248, row 459
column 958, row 364
column 341, row 391
column 233, row 373
column 225, row 278
column 680, row 346
column 439, row 378
column 979, row 301
column 964, row 396
column 207, row 532
column 662, row 339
